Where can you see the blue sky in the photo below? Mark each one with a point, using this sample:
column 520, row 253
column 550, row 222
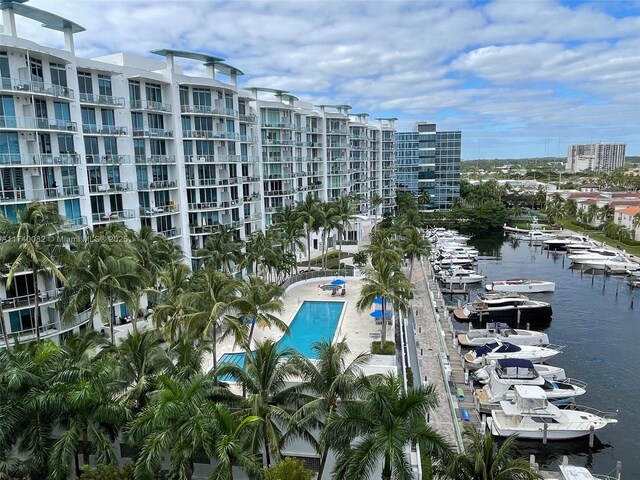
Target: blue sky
column 520, row 78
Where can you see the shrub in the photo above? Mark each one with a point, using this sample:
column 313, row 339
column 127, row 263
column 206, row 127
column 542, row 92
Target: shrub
column 360, row 258
column 288, row 469
column 409, row 375
column 107, row 472
column 389, row 348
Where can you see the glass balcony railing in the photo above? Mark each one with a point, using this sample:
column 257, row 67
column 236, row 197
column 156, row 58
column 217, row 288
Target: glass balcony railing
column 104, row 100
column 156, row 159
column 146, row 212
column 28, row 300
column 108, row 159
column 157, row 185
column 209, row 110
column 39, row 159
column 209, row 134
column 36, row 87
column 153, row 133
column 151, row 106
column 30, row 195
column 50, row 329
column 113, row 216
column 250, row 118
column 111, row 187
column 171, row 233
column 103, row 129
column 30, row 123
column 75, row 223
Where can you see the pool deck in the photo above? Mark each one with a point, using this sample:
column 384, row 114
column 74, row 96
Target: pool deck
column 358, row 328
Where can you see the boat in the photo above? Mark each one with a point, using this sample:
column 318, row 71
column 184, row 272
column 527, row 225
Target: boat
column 561, row 243
column 593, row 254
column 521, row 285
column 621, row 267
column 548, row 372
column 451, row 261
column 536, row 236
column 458, row 248
column 476, row 337
column 530, row 415
column 617, row 263
column 496, row 350
column 505, row 374
column 459, row 276
column 503, row 306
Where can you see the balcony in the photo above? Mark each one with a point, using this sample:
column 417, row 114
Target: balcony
column 209, row 182
column 150, row 106
column 113, row 216
column 207, row 229
column 216, row 205
column 102, row 100
column 250, row 179
column 111, row 187
column 209, row 110
column 157, row 185
column 31, row 123
column 75, row 223
column 253, row 217
column 108, row 159
column 156, row 159
column 248, row 159
column 36, row 88
column 51, row 329
column 279, row 175
column 171, row 233
column 278, row 193
column 39, row 159
column 338, row 131
column 104, row 130
column 30, row 300
column 248, row 139
column 210, row 134
column 212, row 158
column 254, row 197
column 148, row 212
column 275, row 159
column 249, row 118
column 153, row 133
column 30, row 195
column 278, row 141
column 285, row 125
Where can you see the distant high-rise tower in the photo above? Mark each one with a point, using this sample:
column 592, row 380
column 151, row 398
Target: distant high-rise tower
column 597, row 157
column 428, row 165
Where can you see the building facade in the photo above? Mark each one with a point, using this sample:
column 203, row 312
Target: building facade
column 428, row 165
column 596, row 157
column 133, row 140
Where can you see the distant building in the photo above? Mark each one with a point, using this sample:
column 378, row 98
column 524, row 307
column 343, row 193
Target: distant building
column 597, row 157
column 428, row 165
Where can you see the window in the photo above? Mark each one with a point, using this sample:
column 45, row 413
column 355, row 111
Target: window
column 7, row 109
column 138, row 147
column 58, row 74
column 35, row 66
column 88, row 116
column 84, row 82
column 113, row 174
column 61, row 111
column 156, row 121
column 136, row 121
column 110, row 146
column 44, row 140
column 157, row 147
column 134, row 91
column 69, row 177
column 201, row 97
column 203, row 123
column 104, row 85
column 65, row 144
column 40, row 107
column 154, row 92
column 9, row 146
column 184, row 96
column 91, row 147
column 5, row 72
column 108, row 117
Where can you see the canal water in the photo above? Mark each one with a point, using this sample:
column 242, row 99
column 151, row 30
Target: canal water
column 597, row 319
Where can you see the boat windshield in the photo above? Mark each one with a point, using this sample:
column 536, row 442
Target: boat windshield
column 508, row 348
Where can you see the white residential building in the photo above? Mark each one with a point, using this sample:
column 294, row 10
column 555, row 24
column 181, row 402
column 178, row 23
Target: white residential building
column 597, row 157
column 134, row 140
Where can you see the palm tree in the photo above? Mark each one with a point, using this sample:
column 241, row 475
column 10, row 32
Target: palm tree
column 327, row 383
column 592, row 212
column 424, row 198
column 414, row 246
column 264, row 378
column 289, row 223
column 310, row 215
column 571, row 207
column 329, row 221
column 381, row 247
column 376, row 200
column 381, row 426
column 607, row 212
column 259, row 301
column 255, row 248
column 168, row 312
column 635, row 223
column 210, row 306
column 483, row 459
column 386, row 281
column 35, row 243
column 345, row 212
column 220, row 250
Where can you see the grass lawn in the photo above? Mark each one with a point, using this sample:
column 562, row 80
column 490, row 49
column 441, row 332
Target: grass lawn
column 332, row 262
column 599, row 237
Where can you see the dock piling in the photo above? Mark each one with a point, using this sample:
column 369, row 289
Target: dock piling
column 591, row 435
column 544, row 434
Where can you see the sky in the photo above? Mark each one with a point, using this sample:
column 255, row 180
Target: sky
column 519, row 78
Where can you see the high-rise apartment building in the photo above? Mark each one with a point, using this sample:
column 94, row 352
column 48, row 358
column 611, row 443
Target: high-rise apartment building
column 133, row 140
column 428, row 165
column 597, row 157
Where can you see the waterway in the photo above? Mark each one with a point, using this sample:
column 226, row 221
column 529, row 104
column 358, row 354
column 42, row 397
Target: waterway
column 597, row 319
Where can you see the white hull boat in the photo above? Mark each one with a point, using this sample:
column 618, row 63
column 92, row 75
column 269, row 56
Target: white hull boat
column 548, row 372
column 536, row 236
column 477, row 337
column 561, row 243
column 531, row 416
column 594, row 254
column 460, row 276
column 457, row 261
column 480, row 356
column 521, row 285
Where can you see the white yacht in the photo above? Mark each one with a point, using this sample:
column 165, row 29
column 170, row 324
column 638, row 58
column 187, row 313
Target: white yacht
column 477, row 337
column 458, row 276
column 479, row 356
column 521, row 285
column 548, row 372
column 505, row 374
column 503, row 306
column 536, row 236
column 530, row 415
column 593, row 254
column 561, row 243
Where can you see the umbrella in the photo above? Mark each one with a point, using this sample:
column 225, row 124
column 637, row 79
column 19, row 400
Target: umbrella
column 378, row 300
column 338, row 282
column 378, row 314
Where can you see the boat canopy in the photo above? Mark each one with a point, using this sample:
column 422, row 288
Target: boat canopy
column 530, row 397
column 508, row 348
column 484, row 349
column 516, row 369
column 514, row 363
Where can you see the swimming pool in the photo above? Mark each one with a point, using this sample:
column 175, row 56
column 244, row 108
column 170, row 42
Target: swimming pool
column 313, row 322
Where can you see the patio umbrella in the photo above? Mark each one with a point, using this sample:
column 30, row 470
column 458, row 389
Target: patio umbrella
column 338, row 282
column 378, row 314
column 377, row 300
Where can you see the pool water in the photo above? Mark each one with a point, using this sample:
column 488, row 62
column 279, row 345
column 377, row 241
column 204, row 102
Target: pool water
column 314, row 321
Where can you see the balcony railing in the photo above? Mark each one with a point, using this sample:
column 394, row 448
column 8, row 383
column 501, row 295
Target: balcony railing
column 150, row 106
column 277, row 141
column 103, row 129
column 275, row 193
column 212, row 158
column 38, row 88
column 249, row 159
column 157, row 185
column 75, row 223
column 113, row 216
column 49, row 330
column 108, row 159
column 39, row 159
column 211, row 182
column 284, row 125
column 248, row 138
column 213, row 205
column 153, row 133
column 250, row 118
column 171, row 233
column 203, row 229
column 103, row 100
column 21, row 195
column 111, row 187
column 209, row 110
column 156, row 159
column 29, row 300
column 210, row 134
column 159, row 210
column 31, row 123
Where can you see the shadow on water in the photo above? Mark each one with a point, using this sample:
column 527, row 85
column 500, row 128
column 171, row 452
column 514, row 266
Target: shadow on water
column 550, row 455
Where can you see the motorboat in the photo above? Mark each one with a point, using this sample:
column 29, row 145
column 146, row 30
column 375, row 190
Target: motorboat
column 548, row 372
column 458, row 248
column 521, row 285
column 620, row 267
column 530, row 415
column 477, row 337
column 480, row 356
column 456, row 260
column 536, row 236
column 450, row 236
column 593, row 254
column 503, row 306
column 459, row 276
column 561, row 243
column 505, row 374
column 619, row 263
